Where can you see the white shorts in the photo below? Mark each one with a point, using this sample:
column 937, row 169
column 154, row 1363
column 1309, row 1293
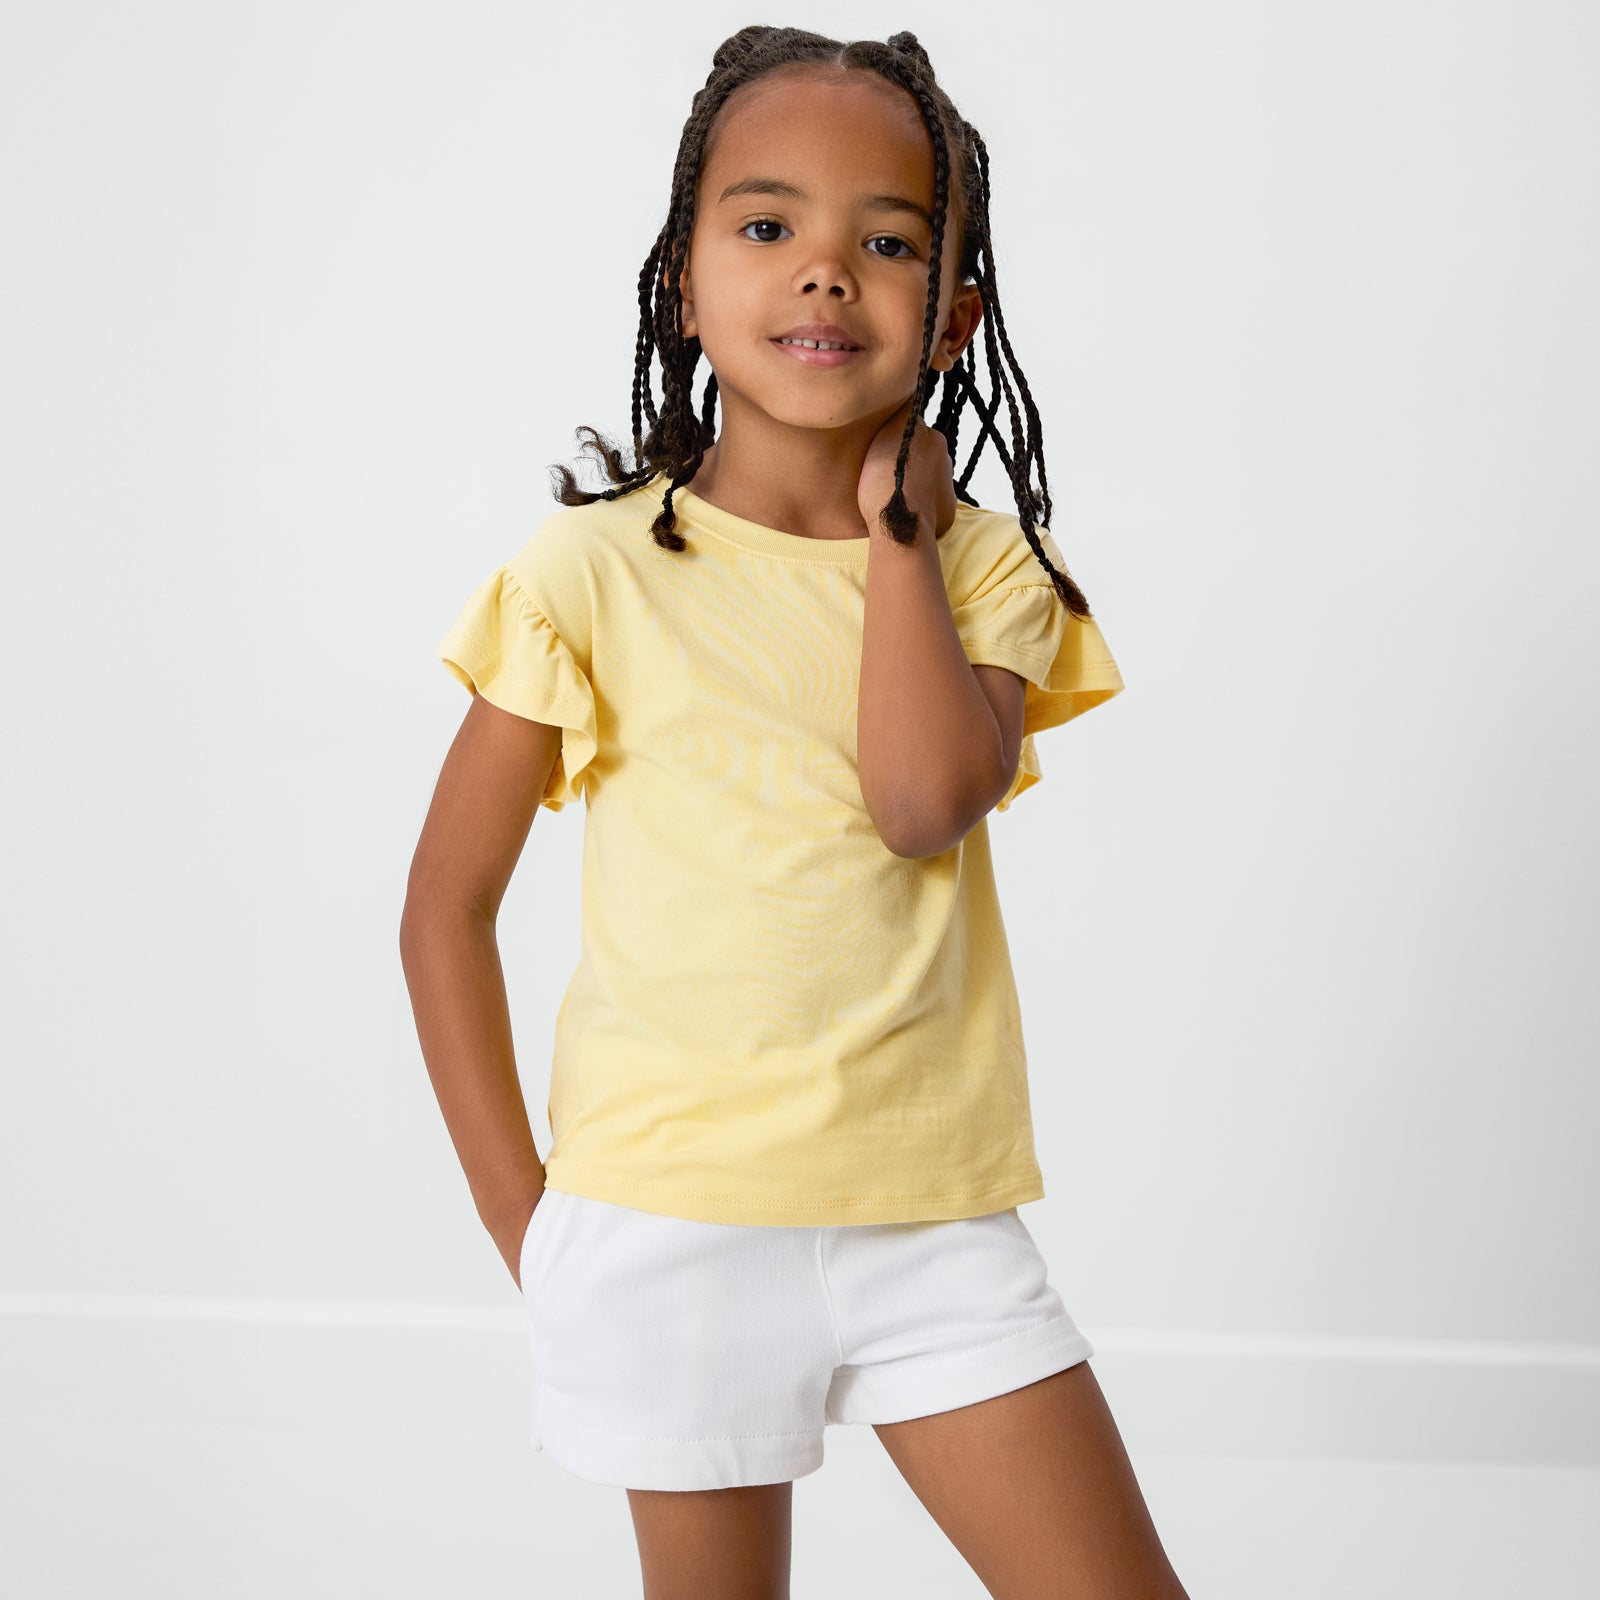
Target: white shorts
column 676, row 1354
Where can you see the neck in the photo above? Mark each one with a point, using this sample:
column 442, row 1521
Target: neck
column 804, row 481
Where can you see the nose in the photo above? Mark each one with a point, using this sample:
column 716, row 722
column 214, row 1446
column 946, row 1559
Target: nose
column 829, row 274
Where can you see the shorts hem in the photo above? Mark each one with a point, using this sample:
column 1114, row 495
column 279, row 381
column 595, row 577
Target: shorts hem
column 922, row 1385
column 638, row 1461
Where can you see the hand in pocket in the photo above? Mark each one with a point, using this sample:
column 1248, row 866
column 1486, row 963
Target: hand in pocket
column 512, row 1243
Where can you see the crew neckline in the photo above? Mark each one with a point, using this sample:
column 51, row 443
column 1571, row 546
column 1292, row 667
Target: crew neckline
column 758, row 536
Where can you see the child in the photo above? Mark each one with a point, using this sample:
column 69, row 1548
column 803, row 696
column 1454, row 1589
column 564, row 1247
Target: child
column 789, row 666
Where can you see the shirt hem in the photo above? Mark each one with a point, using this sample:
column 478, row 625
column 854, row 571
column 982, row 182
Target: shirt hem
column 706, row 1206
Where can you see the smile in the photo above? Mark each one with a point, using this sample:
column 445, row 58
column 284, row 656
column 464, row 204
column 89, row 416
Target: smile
column 815, row 353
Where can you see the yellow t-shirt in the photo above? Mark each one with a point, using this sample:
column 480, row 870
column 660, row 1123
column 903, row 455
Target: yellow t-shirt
column 774, row 1019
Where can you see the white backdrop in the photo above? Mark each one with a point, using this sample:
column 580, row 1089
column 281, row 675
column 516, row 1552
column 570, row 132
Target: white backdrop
column 301, row 301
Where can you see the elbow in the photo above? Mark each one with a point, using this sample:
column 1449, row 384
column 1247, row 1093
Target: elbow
column 930, row 838
column 909, row 827
column 413, row 934
column 929, row 811
column 919, row 849
column 424, row 915
column 919, row 831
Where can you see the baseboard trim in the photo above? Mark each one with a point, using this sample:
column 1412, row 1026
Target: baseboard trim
column 396, row 1366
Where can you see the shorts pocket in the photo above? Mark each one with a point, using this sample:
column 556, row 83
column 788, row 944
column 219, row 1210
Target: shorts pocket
column 531, row 1233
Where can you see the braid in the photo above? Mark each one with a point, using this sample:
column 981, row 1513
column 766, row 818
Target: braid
column 675, row 440
column 897, row 519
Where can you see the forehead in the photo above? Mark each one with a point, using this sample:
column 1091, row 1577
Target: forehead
column 853, row 129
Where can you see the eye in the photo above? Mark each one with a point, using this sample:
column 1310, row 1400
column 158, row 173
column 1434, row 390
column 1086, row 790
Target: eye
column 772, row 222
column 893, row 239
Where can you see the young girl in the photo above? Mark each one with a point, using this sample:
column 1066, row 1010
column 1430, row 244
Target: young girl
column 789, row 1100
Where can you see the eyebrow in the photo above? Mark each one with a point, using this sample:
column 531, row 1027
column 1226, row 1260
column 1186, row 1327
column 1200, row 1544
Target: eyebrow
column 789, row 191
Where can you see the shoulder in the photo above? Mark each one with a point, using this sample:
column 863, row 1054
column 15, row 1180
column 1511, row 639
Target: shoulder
column 573, row 542
column 985, row 551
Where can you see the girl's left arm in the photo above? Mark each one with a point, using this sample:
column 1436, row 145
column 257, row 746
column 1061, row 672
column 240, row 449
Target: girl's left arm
column 937, row 737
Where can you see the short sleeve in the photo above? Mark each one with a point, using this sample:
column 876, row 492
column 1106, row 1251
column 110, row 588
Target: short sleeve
column 1063, row 658
column 507, row 650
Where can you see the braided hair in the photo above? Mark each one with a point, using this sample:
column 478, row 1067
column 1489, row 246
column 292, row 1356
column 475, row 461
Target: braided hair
column 677, row 439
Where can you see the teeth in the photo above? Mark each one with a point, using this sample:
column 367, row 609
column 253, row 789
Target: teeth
column 818, row 344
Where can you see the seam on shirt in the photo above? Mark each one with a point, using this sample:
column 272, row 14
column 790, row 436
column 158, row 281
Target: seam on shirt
column 523, row 596
column 1015, row 649
column 811, row 1205
column 551, row 698
column 998, row 595
column 775, row 555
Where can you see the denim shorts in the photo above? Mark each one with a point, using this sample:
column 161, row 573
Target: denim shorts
column 670, row 1353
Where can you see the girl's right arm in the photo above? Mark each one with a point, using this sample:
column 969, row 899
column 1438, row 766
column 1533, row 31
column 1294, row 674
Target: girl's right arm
column 493, row 779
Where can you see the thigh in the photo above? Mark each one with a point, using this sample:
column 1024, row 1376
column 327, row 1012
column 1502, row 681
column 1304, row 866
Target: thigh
column 714, row 1544
column 1035, row 1490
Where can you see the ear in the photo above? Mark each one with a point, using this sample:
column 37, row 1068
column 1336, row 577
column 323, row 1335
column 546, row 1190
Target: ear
column 966, row 312
column 686, row 290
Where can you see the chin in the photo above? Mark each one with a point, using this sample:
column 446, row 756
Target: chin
column 818, row 417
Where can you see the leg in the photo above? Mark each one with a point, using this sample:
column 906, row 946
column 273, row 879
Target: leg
column 714, row 1544
column 1035, row 1490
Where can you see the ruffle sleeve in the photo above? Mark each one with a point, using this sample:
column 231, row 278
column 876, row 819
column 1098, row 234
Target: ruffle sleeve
column 1063, row 658
column 507, row 650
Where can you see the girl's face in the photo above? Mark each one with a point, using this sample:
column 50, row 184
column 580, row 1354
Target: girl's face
column 830, row 221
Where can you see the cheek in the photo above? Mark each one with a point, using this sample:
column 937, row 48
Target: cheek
column 734, row 311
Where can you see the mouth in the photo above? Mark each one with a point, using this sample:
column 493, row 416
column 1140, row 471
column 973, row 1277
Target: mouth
column 817, row 352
